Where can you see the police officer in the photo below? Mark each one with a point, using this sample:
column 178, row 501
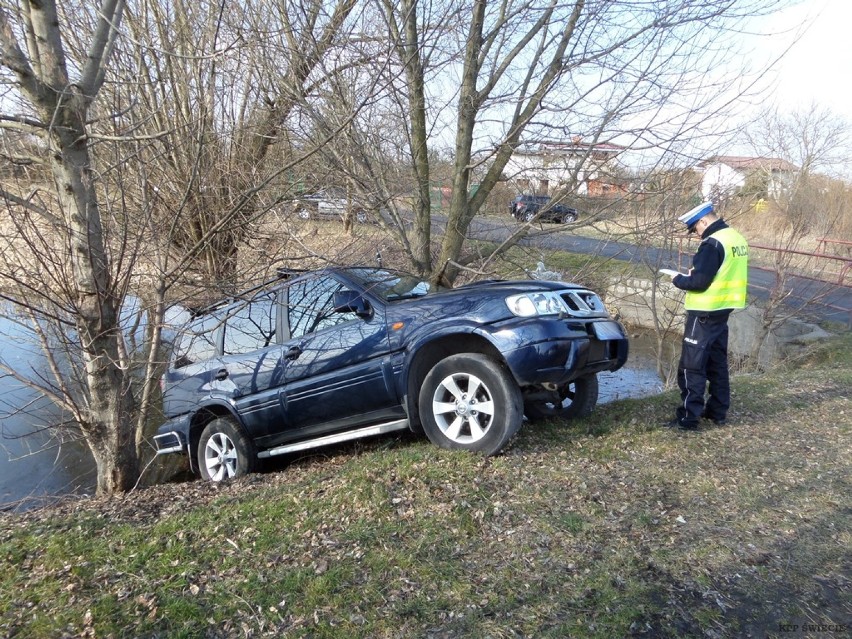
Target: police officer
column 715, row 285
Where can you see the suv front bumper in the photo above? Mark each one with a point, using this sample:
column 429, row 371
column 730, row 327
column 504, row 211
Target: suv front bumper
column 173, row 436
column 560, row 351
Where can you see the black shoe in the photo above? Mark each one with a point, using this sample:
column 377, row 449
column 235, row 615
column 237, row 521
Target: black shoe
column 676, row 423
column 719, row 422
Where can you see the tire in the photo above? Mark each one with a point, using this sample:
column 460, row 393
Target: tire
column 568, row 218
column 304, row 214
column 361, row 217
column 224, row 452
column 483, row 422
column 529, row 216
column 578, row 398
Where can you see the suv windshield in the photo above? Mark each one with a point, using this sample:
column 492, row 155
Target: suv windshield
column 390, row 285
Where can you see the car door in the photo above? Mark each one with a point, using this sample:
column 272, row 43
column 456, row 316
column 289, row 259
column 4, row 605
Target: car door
column 337, row 372
column 190, row 377
column 251, row 365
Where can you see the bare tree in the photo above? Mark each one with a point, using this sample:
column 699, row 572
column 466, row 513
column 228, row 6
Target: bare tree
column 803, row 203
column 491, row 75
column 56, row 98
column 221, row 105
column 164, row 149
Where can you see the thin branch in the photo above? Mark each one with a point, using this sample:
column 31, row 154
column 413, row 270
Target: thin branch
column 103, row 42
column 35, row 208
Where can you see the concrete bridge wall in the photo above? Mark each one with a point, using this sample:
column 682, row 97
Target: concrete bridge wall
column 658, row 305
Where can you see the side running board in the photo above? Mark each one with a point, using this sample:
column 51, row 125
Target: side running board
column 401, row 424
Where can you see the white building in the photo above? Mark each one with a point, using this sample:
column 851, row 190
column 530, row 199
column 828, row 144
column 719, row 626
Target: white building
column 541, row 168
column 725, row 175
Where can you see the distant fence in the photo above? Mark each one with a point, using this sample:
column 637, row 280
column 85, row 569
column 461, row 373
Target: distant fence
column 842, row 248
column 832, row 269
column 819, row 265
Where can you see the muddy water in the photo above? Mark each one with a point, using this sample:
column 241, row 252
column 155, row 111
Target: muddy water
column 638, row 377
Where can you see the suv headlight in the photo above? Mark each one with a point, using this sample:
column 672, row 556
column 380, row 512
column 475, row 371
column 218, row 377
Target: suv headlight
column 531, row 304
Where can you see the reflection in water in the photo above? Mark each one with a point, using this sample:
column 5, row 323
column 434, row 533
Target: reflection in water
column 638, row 377
column 34, row 464
column 37, row 468
column 634, row 380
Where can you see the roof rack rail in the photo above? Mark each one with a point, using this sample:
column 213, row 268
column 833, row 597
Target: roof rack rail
column 285, row 272
column 282, row 273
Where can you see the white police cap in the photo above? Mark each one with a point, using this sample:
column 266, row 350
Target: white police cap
column 692, row 216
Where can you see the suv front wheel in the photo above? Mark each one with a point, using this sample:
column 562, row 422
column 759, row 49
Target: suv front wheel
column 470, row 402
column 224, row 452
column 575, row 399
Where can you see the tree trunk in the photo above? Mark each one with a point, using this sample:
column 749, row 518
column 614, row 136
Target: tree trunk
column 422, row 244
column 109, row 427
column 461, row 213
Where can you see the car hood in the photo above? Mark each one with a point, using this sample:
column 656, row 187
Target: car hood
column 510, row 287
column 479, row 303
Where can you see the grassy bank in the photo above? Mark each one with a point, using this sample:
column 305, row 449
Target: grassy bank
column 608, row 527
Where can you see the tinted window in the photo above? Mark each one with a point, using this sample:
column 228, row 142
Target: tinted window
column 251, row 326
column 310, row 306
column 199, row 342
column 390, row 285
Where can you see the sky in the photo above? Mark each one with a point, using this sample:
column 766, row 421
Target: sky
column 810, row 45
column 817, row 68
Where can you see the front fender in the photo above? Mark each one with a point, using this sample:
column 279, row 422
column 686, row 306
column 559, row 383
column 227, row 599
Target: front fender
column 181, row 434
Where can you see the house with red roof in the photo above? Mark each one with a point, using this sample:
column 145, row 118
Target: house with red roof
column 544, row 167
column 726, row 174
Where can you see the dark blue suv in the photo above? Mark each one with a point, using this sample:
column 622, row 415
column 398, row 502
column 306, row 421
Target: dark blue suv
column 342, row 353
column 531, row 208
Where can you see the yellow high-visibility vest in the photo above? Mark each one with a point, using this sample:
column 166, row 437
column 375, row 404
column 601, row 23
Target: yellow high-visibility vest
column 728, row 289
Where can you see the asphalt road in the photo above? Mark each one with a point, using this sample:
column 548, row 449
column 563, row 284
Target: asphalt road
column 808, row 299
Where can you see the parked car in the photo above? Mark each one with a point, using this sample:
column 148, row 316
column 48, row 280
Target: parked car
column 327, row 205
column 528, row 208
column 328, row 356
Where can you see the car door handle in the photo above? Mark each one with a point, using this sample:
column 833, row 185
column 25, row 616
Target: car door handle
column 221, row 374
column 293, row 352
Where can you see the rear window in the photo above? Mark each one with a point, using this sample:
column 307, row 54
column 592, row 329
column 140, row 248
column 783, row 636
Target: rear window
column 251, row 326
column 199, row 342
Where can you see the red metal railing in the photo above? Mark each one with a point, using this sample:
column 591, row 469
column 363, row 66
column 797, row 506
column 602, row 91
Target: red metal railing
column 824, row 243
column 843, row 262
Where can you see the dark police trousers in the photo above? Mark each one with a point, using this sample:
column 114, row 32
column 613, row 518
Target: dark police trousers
column 703, row 359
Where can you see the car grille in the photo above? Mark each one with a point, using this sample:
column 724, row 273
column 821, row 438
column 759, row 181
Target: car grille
column 584, row 303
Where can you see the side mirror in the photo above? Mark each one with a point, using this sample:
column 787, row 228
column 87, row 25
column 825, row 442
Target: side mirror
column 346, row 301
column 182, row 361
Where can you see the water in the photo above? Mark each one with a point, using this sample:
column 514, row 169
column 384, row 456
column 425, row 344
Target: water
column 638, row 377
column 37, row 461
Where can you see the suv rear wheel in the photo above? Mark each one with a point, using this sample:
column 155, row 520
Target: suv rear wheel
column 575, row 399
column 224, row 452
column 470, row 402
